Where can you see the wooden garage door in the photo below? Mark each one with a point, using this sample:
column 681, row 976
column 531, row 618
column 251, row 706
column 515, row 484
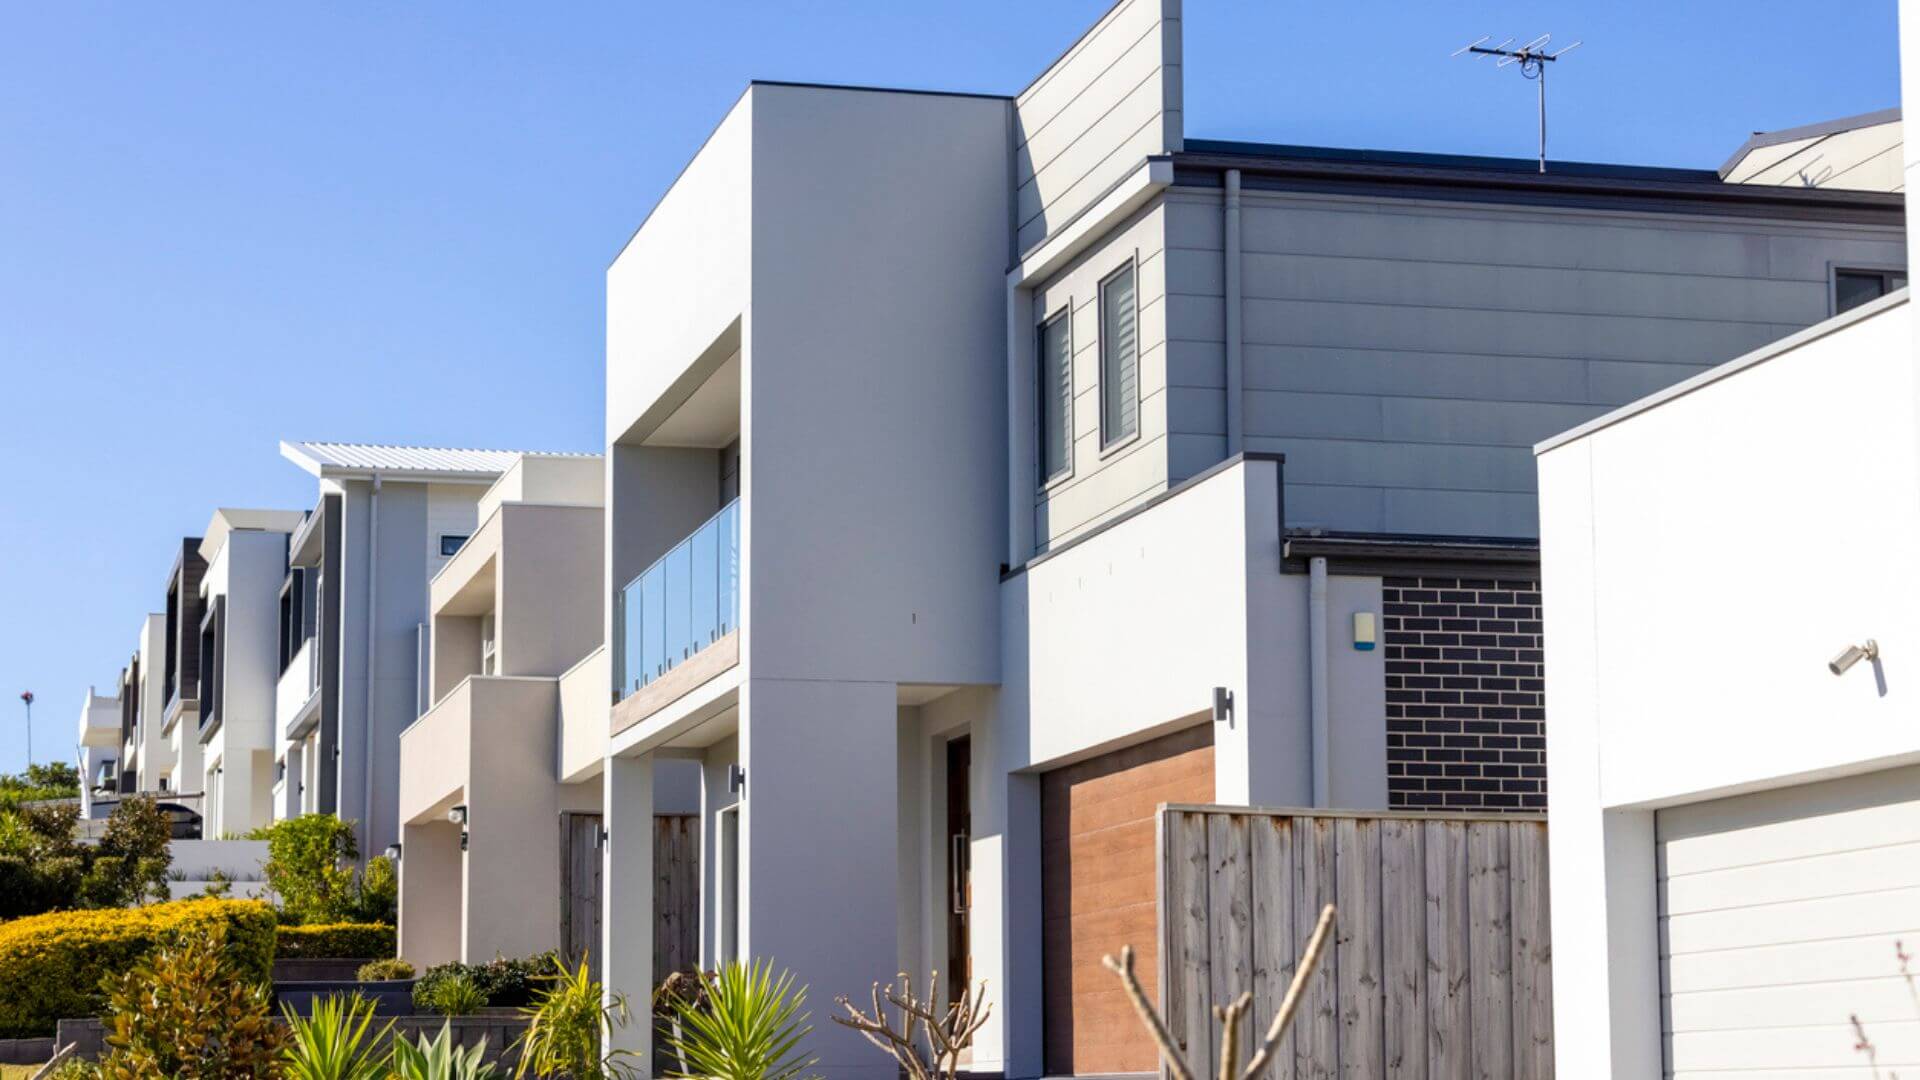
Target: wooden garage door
column 1098, row 893
column 1779, row 916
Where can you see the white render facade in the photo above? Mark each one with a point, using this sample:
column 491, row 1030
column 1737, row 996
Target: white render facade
column 919, row 522
column 353, row 617
column 245, row 552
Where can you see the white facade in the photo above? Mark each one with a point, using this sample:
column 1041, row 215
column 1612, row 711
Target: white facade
column 1338, row 377
column 1705, row 757
column 246, row 556
column 99, row 747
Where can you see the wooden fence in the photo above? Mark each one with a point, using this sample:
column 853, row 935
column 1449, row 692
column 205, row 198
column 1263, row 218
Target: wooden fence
column 1442, row 961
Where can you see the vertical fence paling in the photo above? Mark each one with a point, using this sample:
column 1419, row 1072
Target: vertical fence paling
column 1442, row 962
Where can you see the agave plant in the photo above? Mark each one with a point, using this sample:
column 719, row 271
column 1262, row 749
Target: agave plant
column 438, row 1059
column 748, row 1028
column 563, row 1028
column 333, row 1043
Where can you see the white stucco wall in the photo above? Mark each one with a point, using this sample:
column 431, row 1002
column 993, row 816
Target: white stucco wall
column 1700, row 568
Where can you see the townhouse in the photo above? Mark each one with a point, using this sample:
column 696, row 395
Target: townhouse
column 180, row 673
column 99, row 747
column 146, row 756
column 352, row 624
column 245, row 556
column 984, row 471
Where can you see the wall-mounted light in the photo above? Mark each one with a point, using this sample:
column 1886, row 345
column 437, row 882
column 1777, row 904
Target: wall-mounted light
column 458, row 815
column 1222, row 705
column 1852, row 655
column 737, row 779
column 393, row 852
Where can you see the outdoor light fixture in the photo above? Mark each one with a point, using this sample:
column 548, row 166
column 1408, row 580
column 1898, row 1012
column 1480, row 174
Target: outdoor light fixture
column 736, row 779
column 1222, row 705
column 458, row 815
column 1852, row 655
column 393, row 852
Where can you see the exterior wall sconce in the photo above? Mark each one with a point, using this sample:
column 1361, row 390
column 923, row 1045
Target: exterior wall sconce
column 1222, row 705
column 1852, row 655
column 392, row 853
column 458, row 815
column 737, row 779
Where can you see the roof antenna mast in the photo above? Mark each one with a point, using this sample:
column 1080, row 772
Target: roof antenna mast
column 1533, row 58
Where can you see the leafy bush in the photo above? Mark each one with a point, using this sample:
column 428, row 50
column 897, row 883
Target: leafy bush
column 186, row 1011
column 563, row 1028
column 749, row 1027
column 439, row 1059
column 54, row 963
column 44, row 868
column 384, row 970
column 333, row 1043
column 506, row 983
column 456, row 996
column 335, row 941
column 53, row 780
column 309, row 868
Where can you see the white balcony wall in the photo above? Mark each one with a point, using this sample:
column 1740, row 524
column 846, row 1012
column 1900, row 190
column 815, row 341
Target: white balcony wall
column 295, row 688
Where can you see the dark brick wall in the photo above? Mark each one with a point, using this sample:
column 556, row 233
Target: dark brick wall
column 1466, row 722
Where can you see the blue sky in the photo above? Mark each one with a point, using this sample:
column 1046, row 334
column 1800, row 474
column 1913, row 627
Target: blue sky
column 226, row 224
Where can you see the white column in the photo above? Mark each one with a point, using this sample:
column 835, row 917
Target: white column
column 819, row 846
column 626, row 891
column 430, row 893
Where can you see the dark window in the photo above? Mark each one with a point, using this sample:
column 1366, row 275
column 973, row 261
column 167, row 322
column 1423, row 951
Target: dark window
column 1851, row 288
column 1056, row 396
column 450, row 543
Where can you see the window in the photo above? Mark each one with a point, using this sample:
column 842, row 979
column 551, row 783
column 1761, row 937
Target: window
column 1119, row 358
column 450, row 543
column 1056, row 396
column 1851, row 288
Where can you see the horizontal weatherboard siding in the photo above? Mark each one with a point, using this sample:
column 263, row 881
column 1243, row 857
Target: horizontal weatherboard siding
column 1405, row 355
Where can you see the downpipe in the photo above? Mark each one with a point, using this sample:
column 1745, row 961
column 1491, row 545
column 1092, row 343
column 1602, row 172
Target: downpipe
column 1318, row 677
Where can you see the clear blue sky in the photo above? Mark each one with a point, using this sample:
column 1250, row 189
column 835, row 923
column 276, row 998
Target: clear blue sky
column 225, row 224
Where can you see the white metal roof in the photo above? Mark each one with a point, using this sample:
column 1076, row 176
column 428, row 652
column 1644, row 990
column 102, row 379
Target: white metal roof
column 331, row 459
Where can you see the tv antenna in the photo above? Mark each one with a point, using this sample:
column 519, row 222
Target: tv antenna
column 1533, row 58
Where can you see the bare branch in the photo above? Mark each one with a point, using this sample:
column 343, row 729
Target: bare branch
column 1309, row 960
column 1123, row 967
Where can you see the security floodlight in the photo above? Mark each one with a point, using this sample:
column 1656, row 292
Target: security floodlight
column 1852, row 655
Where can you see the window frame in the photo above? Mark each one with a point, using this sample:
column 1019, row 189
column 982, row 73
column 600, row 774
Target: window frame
column 1049, row 481
column 1108, row 443
column 1880, row 270
column 444, row 537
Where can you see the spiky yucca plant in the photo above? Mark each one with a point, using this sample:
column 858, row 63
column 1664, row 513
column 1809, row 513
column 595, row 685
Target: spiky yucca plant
column 333, row 1042
column 438, row 1059
column 748, row 1028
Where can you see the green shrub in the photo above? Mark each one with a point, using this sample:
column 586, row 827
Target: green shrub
column 44, row 868
column 438, row 1059
column 457, row 995
column 309, row 869
column 337, row 1042
column 506, row 983
column 51, row 966
column 750, row 1026
column 384, row 970
column 185, row 1010
column 335, row 941
column 564, row 1025
column 53, row 780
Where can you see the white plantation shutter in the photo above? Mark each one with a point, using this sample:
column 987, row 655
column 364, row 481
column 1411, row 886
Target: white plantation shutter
column 1056, row 395
column 1119, row 358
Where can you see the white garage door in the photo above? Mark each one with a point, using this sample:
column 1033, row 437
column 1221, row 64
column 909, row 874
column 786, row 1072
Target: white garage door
column 1783, row 915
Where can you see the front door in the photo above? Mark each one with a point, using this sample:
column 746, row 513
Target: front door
column 959, row 859
column 580, row 888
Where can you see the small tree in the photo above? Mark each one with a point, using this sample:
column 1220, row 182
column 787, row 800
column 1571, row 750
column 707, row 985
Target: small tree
column 946, row 1033
column 130, row 865
column 309, row 867
column 184, row 1011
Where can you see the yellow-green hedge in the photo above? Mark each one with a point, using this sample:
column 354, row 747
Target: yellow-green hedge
column 51, row 965
column 336, row 941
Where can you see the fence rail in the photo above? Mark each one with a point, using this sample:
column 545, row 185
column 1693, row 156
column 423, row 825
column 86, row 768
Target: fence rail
column 1441, row 965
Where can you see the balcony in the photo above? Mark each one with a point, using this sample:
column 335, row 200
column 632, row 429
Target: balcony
column 676, row 608
column 296, row 697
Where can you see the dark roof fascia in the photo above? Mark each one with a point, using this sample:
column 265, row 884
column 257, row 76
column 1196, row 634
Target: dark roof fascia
column 1656, row 191
column 1762, row 139
column 1410, row 555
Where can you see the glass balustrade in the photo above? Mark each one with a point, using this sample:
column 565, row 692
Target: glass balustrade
column 683, row 603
